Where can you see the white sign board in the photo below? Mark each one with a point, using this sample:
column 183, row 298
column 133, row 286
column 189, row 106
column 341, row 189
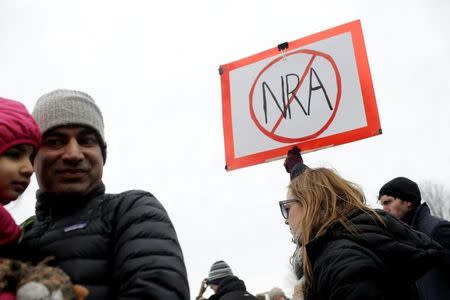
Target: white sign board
column 316, row 92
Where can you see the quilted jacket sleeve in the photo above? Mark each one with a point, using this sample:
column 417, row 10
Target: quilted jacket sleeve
column 148, row 261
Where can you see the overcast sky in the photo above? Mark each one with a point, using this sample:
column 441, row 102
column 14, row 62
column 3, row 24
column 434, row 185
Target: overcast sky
column 153, row 70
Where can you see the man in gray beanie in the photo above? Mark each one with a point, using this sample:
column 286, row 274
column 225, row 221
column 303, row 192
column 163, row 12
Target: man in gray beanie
column 225, row 285
column 119, row 246
column 401, row 198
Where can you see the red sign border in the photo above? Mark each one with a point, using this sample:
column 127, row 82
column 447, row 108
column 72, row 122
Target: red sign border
column 373, row 122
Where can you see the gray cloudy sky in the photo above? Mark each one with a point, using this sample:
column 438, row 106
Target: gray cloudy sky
column 152, row 68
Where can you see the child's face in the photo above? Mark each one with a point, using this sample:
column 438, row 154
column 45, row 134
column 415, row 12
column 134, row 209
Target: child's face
column 16, row 169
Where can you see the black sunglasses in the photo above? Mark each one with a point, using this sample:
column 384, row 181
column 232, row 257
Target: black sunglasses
column 285, row 209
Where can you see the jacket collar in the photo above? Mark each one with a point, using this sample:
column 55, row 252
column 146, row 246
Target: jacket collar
column 50, row 205
column 412, row 217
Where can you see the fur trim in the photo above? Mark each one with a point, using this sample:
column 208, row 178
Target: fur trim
column 299, row 290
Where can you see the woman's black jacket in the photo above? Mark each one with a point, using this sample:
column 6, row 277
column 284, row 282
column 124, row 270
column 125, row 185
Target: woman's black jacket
column 379, row 262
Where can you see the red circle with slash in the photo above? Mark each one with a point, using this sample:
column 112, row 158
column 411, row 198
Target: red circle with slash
column 283, row 139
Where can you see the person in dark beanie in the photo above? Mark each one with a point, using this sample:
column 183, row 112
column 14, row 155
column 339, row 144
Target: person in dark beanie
column 225, row 285
column 401, row 198
column 294, row 162
column 119, row 246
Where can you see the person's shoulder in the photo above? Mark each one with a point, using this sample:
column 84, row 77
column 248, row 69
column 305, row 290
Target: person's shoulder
column 135, row 193
column 342, row 251
column 132, row 199
column 439, row 223
column 441, row 232
column 430, row 224
column 435, row 220
column 131, row 196
column 343, row 247
column 232, row 295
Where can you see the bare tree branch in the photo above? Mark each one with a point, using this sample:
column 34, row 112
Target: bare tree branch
column 437, row 197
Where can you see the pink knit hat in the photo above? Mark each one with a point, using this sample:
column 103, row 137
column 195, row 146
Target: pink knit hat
column 17, row 126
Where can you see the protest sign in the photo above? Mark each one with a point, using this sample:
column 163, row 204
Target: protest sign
column 314, row 92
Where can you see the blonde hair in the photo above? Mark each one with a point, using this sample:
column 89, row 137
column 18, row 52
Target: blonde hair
column 327, row 198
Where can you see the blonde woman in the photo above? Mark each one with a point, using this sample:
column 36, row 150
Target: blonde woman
column 347, row 250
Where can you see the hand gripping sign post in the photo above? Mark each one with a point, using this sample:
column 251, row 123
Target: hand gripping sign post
column 314, row 92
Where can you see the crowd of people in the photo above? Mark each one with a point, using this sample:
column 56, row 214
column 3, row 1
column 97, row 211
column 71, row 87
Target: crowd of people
column 124, row 246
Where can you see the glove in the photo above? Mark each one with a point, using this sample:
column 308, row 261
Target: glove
column 294, row 157
column 9, row 230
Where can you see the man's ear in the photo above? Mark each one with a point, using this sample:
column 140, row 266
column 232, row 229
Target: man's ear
column 408, row 204
column 104, row 152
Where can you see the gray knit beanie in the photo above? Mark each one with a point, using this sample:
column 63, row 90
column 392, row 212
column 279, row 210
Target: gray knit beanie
column 219, row 270
column 68, row 107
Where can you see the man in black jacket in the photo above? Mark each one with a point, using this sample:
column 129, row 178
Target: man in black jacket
column 225, row 285
column 401, row 198
column 119, row 246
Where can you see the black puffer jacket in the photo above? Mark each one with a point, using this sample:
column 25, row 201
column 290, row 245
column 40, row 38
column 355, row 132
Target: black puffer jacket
column 378, row 263
column 119, row 246
column 232, row 288
column 435, row 284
